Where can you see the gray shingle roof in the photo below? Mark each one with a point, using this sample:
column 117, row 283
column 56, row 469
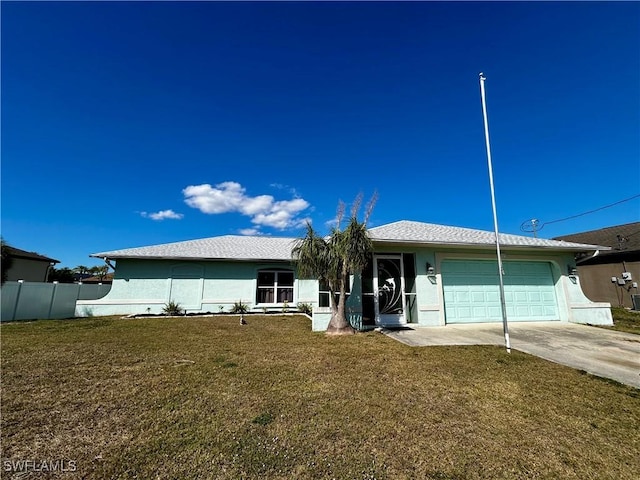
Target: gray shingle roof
column 406, row 231
column 18, row 253
column 619, row 237
column 236, row 247
column 232, row 247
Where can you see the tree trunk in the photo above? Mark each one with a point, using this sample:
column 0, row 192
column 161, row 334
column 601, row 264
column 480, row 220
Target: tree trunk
column 339, row 325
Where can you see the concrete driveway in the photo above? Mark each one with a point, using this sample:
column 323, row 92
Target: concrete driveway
column 598, row 351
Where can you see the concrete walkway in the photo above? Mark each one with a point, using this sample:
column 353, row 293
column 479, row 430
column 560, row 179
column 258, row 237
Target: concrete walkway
column 601, row 352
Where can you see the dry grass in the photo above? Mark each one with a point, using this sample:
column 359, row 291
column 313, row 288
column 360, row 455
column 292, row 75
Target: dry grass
column 625, row 320
column 208, row 398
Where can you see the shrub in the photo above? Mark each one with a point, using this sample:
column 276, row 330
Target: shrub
column 305, row 308
column 285, row 307
column 172, row 308
column 240, row 307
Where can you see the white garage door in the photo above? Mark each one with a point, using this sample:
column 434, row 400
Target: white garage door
column 472, row 293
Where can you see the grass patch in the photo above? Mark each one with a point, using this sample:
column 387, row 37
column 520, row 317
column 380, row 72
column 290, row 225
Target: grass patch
column 207, row 398
column 625, row 320
column 263, row 419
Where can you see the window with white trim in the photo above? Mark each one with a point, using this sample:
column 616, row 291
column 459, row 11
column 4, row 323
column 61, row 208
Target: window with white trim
column 274, row 287
column 323, row 294
column 323, row 298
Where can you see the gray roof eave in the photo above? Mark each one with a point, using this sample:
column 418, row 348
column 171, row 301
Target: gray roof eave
column 210, row 259
column 504, row 246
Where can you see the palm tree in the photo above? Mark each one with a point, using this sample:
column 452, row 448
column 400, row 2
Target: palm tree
column 80, row 272
column 99, row 271
column 81, row 269
column 334, row 258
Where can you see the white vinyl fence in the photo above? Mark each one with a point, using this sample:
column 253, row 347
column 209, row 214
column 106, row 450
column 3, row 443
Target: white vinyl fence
column 38, row 300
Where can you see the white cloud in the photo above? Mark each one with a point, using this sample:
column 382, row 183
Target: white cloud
column 264, row 210
column 250, row 231
column 163, row 215
column 225, row 197
column 252, row 206
column 293, row 206
column 288, row 188
column 279, row 219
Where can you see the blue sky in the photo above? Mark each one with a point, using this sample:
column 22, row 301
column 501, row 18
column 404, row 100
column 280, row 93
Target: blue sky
column 129, row 124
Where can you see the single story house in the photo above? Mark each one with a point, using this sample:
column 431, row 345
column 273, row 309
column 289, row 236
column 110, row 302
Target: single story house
column 613, row 275
column 28, row 266
column 420, row 273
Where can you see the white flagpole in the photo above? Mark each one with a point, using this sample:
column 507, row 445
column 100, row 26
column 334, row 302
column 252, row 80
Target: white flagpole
column 505, row 325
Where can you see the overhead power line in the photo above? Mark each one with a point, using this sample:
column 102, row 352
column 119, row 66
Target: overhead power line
column 592, row 211
column 535, row 225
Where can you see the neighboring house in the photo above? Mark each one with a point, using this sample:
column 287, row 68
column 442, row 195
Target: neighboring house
column 420, row 273
column 28, row 266
column 610, row 276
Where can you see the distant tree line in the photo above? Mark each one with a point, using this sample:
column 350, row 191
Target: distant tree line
column 79, row 273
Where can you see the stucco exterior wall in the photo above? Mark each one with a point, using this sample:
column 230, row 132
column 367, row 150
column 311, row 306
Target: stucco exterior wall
column 28, row 270
column 598, row 287
column 573, row 305
column 428, row 290
column 145, row 286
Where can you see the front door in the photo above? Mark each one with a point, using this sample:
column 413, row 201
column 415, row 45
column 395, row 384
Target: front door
column 388, row 287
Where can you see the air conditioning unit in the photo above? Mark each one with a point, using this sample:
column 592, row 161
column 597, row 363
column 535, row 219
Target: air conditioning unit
column 626, row 276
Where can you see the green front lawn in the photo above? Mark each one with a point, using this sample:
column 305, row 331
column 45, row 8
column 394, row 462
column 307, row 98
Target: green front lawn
column 209, row 398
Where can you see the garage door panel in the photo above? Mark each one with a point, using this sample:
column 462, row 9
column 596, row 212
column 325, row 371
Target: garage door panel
column 520, row 297
column 537, row 310
column 461, row 297
column 477, row 297
column 471, row 291
column 524, row 310
column 493, row 297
